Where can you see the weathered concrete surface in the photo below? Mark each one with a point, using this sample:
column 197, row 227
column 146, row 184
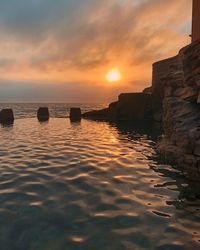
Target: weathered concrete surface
column 6, row 116
column 129, row 107
column 181, row 112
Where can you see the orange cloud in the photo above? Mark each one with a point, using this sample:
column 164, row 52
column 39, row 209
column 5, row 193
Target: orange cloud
column 83, row 46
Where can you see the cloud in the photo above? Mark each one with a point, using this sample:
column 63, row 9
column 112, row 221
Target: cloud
column 76, row 40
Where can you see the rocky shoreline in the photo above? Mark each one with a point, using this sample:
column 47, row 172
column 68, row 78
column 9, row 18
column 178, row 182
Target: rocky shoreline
column 130, row 106
column 173, row 100
column 181, row 112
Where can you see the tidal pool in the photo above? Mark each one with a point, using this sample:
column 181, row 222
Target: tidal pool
column 91, row 185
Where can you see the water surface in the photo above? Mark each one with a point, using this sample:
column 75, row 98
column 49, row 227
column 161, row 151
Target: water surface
column 91, row 185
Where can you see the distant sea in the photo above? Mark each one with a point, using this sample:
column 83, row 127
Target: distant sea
column 57, row 110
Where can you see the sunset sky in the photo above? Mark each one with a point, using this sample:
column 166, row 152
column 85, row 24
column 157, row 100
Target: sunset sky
column 62, row 50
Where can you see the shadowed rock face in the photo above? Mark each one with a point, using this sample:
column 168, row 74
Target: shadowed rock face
column 148, row 90
column 161, row 69
column 6, row 116
column 129, row 107
column 181, row 112
column 133, row 106
column 43, row 114
column 75, row 114
column 96, row 114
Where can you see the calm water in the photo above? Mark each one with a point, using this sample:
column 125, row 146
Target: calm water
column 57, row 110
column 91, row 186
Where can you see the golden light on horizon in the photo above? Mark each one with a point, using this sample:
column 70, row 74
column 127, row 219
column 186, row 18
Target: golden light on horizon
column 114, row 75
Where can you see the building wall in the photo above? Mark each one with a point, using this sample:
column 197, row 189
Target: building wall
column 196, row 21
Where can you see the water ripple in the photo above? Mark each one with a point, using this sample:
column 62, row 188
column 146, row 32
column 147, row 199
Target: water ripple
column 91, row 186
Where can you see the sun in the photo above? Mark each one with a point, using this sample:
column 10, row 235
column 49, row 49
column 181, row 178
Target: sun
column 114, row 75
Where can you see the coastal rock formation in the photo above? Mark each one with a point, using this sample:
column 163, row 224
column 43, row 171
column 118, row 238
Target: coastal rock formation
column 6, row 116
column 96, row 114
column 43, row 114
column 148, row 90
column 160, row 69
column 75, row 114
column 129, row 107
column 181, row 112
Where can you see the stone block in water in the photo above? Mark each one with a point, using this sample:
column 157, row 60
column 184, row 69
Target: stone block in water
column 6, row 116
column 75, row 114
column 43, row 114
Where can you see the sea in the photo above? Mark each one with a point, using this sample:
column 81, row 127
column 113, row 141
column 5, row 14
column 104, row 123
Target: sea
column 91, row 186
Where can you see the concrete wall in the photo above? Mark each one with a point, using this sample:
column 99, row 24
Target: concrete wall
column 196, row 21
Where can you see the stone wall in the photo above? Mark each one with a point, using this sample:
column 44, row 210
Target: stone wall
column 181, row 112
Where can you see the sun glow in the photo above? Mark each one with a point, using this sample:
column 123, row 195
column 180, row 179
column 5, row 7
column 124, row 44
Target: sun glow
column 114, row 75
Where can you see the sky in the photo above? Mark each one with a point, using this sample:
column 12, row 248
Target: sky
column 61, row 51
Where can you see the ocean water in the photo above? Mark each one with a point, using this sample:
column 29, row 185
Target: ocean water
column 91, row 186
column 57, row 110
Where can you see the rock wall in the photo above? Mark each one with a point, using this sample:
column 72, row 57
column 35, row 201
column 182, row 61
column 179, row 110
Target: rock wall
column 129, row 107
column 181, row 112
column 159, row 69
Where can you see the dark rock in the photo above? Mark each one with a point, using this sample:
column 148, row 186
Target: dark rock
column 75, row 114
column 97, row 114
column 190, row 94
column 43, row 114
column 157, row 116
column 134, row 106
column 148, row 90
column 194, row 134
column 129, row 107
column 181, row 112
column 113, row 105
column 186, row 93
column 161, row 69
column 198, row 82
column 198, row 98
column 6, row 116
column 197, row 148
column 113, row 111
